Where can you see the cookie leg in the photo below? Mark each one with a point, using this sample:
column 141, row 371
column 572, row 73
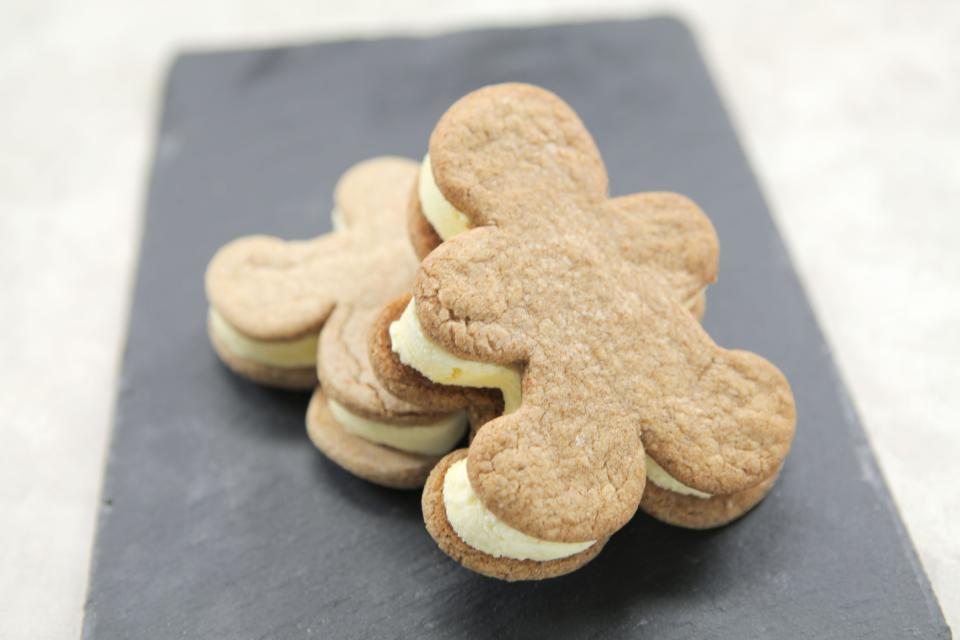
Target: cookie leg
column 435, row 518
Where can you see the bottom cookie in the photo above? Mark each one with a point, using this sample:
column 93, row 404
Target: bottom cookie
column 435, row 518
column 692, row 512
column 381, row 465
column 295, row 378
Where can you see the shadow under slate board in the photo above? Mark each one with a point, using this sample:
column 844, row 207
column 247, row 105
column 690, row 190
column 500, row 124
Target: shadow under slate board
column 219, row 520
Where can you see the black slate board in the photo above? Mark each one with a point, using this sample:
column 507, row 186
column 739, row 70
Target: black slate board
column 220, row 521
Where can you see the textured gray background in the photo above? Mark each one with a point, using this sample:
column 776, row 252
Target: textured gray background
column 220, row 521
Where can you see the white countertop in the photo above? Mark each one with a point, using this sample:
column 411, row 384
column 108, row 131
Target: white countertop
column 849, row 112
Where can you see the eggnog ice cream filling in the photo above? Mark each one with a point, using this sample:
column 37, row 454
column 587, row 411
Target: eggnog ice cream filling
column 446, row 220
column 482, row 530
column 658, row 476
column 287, row 354
column 336, row 219
column 416, row 350
column 432, row 439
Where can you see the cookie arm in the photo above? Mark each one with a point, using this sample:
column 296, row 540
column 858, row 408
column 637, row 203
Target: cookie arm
column 670, row 233
column 261, row 284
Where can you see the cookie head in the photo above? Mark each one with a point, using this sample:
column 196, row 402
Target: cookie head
column 487, row 166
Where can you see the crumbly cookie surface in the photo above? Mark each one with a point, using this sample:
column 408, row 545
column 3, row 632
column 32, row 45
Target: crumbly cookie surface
column 518, row 158
column 587, row 293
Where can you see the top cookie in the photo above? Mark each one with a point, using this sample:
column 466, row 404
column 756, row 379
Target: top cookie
column 490, row 164
column 274, row 290
column 587, row 295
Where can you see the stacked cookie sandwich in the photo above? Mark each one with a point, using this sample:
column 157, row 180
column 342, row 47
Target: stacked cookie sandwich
column 291, row 314
column 577, row 308
column 552, row 331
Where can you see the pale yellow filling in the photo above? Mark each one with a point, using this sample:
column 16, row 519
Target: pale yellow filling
column 659, row 477
column 482, row 530
column 336, row 217
column 441, row 366
column 432, row 439
column 287, row 354
column 446, row 220
column 692, row 300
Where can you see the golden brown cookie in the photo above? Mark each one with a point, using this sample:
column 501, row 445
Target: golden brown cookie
column 676, row 236
column 588, row 299
column 331, row 288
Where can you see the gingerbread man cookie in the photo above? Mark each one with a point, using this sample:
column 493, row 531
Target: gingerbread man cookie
column 576, row 307
column 665, row 229
column 284, row 313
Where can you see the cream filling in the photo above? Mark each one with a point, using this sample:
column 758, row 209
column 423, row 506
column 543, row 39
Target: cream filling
column 416, row 350
column 446, row 220
column 483, row 531
column 287, row 354
column 432, row 439
column 692, row 300
column 336, row 217
column 659, row 477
